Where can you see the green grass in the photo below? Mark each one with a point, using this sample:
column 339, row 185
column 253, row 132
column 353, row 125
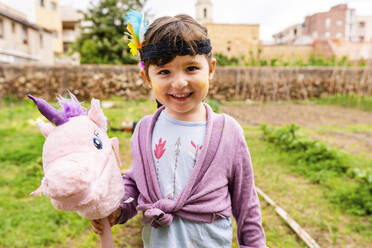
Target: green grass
column 350, row 138
column 361, row 102
column 27, row 221
column 308, row 203
column 347, row 181
column 33, row 222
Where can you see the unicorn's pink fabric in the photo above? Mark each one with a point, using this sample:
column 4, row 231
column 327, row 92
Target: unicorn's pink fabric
column 81, row 165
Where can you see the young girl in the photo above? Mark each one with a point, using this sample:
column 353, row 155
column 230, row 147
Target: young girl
column 191, row 168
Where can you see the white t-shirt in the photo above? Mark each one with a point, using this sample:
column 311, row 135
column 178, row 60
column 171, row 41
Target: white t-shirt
column 175, row 147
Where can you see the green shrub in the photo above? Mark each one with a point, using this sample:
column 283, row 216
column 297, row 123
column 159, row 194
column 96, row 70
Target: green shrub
column 223, row 60
column 215, row 105
column 255, row 59
column 361, row 102
column 326, row 166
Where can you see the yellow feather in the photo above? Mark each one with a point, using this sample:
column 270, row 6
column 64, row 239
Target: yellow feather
column 134, row 37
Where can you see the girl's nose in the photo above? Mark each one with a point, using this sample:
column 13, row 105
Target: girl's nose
column 179, row 81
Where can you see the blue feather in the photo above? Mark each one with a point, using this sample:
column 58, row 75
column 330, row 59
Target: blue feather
column 136, row 19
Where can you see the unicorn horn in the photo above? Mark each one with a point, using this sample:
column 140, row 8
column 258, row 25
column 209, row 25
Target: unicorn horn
column 52, row 114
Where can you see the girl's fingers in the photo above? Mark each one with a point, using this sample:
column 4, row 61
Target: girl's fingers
column 96, row 230
column 113, row 218
column 96, row 224
column 111, row 221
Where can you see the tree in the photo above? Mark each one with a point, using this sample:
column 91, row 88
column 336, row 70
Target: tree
column 101, row 40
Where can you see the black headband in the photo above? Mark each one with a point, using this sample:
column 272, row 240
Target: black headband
column 181, row 48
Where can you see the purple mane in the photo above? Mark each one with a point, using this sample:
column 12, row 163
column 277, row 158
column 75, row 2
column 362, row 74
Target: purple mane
column 70, row 108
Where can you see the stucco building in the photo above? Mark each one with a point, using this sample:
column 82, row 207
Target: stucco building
column 48, row 16
column 340, row 22
column 22, row 41
column 289, row 35
column 229, row 39
column 71, row 20
column 44, row 13
column 364, row 29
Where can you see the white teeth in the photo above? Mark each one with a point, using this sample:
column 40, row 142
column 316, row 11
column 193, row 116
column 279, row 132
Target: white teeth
column 181, row 95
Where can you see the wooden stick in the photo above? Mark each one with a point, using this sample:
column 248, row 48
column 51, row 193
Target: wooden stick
column 106, row 236
column 291, row 222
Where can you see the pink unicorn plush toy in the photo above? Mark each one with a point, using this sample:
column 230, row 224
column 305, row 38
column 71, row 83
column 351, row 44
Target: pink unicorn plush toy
column 80, row 163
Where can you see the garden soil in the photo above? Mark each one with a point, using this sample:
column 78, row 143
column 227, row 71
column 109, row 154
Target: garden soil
column 336, row 126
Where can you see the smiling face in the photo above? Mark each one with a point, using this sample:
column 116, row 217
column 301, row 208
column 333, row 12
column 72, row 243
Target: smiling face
column 181, row 85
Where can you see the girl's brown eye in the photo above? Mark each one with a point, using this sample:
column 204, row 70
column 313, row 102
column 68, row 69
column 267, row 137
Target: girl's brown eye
column 164, row 72
column 192, row 68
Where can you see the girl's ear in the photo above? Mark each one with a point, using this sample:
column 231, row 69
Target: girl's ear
column 145, row 78
column 212, row 68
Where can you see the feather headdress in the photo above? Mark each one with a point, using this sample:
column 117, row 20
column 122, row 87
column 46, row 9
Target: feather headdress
column 136, row 27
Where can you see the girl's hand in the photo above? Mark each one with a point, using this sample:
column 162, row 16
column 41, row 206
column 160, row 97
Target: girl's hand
column 114, row 217
column 113, row 220
column 97, row 226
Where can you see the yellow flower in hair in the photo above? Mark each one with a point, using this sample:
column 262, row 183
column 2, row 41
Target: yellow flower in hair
column 133, row 48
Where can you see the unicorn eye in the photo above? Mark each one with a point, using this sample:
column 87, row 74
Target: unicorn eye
column 97, row 143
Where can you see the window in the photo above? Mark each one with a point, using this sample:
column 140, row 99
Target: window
column 328, row 22
column 1, row 28
column 54, row 34
column 41, row 40
column 66, row 47
column 13, row 27
column 53, row 5
column 315, row 34
column 340, row 22
column 327, row 34
column 41, row 3
column 338, row 35
column 205, row 12
column 24, row 35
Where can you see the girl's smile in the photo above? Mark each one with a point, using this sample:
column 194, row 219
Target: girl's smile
column 180, row 96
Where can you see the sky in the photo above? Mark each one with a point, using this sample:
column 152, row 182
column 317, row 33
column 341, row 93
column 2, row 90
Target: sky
column 272, row 15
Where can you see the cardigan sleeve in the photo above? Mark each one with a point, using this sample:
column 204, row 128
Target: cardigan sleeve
column 245, row 202
column 129, row 202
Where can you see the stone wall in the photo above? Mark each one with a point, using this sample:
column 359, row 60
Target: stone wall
column 229, row 83
column 274, row 83
column 99, row 81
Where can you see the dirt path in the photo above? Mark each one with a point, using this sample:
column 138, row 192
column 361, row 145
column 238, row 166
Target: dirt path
column 344, row 128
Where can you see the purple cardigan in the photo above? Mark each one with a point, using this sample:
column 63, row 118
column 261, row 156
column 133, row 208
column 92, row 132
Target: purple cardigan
column 221, row 183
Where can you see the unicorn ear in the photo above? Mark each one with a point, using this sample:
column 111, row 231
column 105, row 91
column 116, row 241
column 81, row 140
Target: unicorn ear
column 45, row 128
column 96, row 115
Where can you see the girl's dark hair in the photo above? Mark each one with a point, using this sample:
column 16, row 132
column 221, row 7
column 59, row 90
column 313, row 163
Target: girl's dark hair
column 172, row 30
